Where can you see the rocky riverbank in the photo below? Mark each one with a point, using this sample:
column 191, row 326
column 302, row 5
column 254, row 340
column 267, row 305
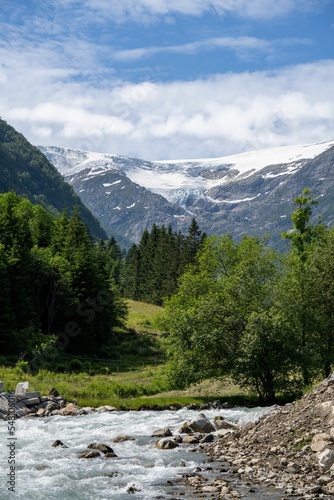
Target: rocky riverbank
column 291, row 450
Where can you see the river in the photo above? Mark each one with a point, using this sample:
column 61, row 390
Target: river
column 46, row 473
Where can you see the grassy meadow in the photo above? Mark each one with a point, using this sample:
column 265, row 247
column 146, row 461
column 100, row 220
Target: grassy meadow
column 134, row 379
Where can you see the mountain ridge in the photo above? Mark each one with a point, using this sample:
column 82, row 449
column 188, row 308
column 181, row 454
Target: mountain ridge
column 248, row 193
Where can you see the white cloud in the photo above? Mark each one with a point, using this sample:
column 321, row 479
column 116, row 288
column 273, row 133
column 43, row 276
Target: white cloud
column 146, row 10
column 240, row 45
column 220, row 115
column 235, row 44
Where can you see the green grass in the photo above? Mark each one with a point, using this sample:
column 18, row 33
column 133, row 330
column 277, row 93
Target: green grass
column 142, row 316
column 127, row 390
column 135, row 376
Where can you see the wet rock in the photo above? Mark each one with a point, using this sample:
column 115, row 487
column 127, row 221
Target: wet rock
column 123, row 438
column 185, row 429
column 166, row 444
column 162, row 433
column 133, row 489
column 57, row 443
column 221, row 423
column 104, row 448
column 202, row 424
column 90, row 454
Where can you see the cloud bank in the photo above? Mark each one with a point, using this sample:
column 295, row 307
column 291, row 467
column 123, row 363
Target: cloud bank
column 222, row 114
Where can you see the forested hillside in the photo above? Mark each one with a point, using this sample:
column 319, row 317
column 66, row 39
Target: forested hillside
column 57, row 285
column 25, row 170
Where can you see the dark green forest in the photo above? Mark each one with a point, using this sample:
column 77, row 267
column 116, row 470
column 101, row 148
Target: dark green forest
column 62, row 291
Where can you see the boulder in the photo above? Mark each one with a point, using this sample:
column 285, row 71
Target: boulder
column 121, row 439
column 190, row 440
column 221, row 423
column 104, row 448
column 57, row 443
column 21, row 388
column 166, row 444
column 320, row 441
column 162, row 433
column 3, row 404
column 326, row 459
column 70, row 409
column 90, row 454
column 202, row 424
column 1, row 386
column 54, row 392
column 185, row 429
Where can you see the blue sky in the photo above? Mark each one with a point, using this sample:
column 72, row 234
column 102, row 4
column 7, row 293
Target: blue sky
column 164, row 79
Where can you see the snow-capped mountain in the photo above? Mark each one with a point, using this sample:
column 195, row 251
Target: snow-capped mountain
column 247, row 193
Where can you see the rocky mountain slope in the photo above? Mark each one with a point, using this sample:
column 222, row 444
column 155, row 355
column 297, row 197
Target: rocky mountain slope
column 250, row 193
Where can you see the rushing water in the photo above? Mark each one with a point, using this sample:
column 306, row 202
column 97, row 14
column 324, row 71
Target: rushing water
column 43, row 472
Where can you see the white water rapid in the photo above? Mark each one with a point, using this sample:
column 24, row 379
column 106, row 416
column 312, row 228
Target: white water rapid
column 46, row 473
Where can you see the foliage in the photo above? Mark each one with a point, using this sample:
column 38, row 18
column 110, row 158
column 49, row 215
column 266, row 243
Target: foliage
column 152, row 268
column 56, row 284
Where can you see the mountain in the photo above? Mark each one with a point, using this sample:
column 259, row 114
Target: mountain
column 249, row 193
column 25, row 170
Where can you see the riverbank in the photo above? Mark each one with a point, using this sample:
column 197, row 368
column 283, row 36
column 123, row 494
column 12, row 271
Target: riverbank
column 291, row 450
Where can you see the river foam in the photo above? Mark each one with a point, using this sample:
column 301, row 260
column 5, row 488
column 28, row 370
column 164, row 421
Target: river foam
column 43, row 472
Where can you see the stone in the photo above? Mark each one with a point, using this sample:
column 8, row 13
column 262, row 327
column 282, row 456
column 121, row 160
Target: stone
column 57, row 443
column 1, row 386
column 221, row 423
column 121, row 439
column 31, row 401
column 166, row 444
column 54, row 392
column 104, row 448
column 162, row 433
column 185, row 429
column 202, row 424
column 320, row 441
column 326, row 459
column 208, row 438
column 21, row 388
column 190, row 439
column 70, row 409
column 90, row 454
column 3, row 404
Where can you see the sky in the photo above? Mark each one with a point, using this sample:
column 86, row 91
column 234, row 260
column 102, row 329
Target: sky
column 168, row 79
